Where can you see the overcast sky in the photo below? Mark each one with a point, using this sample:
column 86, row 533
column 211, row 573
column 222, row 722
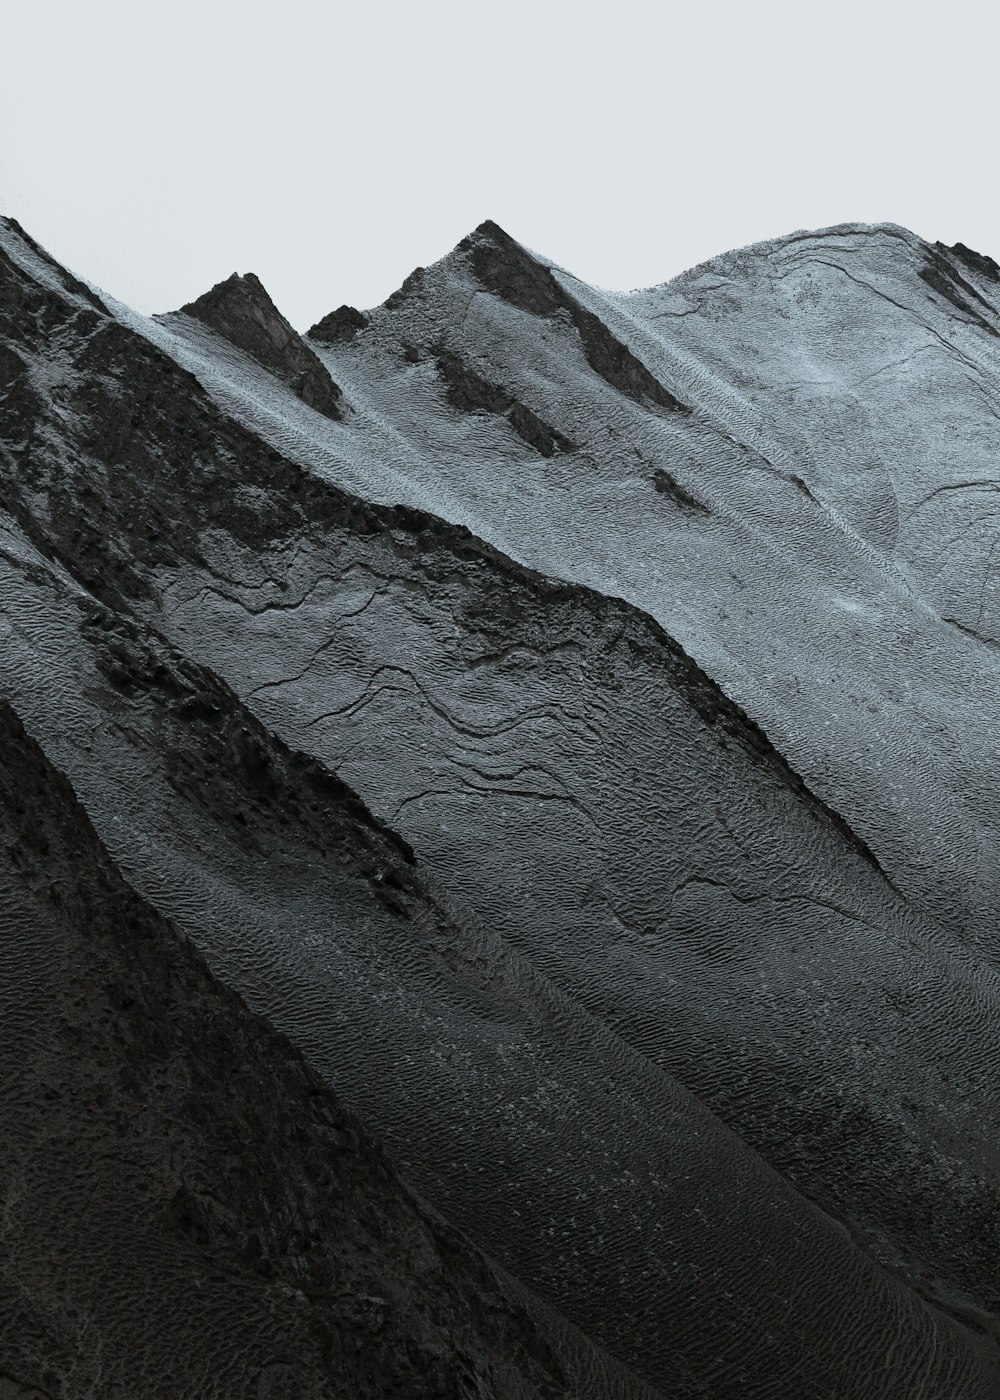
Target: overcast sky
column 330, row 148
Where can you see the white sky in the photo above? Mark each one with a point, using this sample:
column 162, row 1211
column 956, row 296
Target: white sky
column 330, row 148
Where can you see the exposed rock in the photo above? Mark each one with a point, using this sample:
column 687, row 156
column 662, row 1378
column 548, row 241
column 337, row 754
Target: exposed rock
column 241, row 310
column 468, row 391
column 979, row 262
column 71, row 283
column 509, row 270
column 668, row 485
column 944, row 277
column 411, row 286
column 189, row 1211
column 340, row 326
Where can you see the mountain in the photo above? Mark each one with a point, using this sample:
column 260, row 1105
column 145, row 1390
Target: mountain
column 578, row 746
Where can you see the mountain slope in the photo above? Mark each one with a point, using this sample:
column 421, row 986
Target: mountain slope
column 610, row 887
column 187, row 1210
column 815, row 528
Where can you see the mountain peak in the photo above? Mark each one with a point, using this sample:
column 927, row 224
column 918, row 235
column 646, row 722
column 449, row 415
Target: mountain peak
column 339, row 326
column 241, row 310
column 507, row 268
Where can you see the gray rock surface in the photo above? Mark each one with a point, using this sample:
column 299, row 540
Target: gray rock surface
column 694, row 1034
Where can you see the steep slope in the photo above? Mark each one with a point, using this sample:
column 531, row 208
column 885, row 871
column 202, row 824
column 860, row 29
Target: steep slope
column 187, row 1210
column 816, row 529
column 634, row 1209
column 638, row 888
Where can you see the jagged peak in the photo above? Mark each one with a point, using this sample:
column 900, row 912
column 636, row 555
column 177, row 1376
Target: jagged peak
column 979, row 262
column 240, row 295
column 241, row 310
column 486, row 241
column 490, row 231
column 510, row 271
column 339, row 326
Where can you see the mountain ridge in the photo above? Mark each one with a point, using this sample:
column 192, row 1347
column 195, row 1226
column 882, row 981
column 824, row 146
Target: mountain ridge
column 623, row 895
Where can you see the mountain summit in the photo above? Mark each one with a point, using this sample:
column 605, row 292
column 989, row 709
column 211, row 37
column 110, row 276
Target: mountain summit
column 241, row 311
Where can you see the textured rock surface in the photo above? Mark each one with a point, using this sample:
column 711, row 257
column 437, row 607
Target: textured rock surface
column 241, row 310
column 188, row 1211
column 695, row 1034
column 340, row 325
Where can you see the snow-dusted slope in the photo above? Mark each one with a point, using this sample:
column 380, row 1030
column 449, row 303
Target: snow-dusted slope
column 637, row 953
column 827, row 552
column 815, row 530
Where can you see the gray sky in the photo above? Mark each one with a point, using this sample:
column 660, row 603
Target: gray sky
column 330, row 148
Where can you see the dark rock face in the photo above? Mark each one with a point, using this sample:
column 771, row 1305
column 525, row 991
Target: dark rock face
column 469, row 391
column 979, row 262
column 657, row 1009
column 941, row 274
column 227, row 1213
column 511, row 272
column 340, row 326
column 241, row 310
column 668, row 485
column 411, row 287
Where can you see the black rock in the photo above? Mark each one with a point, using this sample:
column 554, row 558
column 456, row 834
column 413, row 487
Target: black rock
column 339, row 326
column 174, row 1173
column 241, row 310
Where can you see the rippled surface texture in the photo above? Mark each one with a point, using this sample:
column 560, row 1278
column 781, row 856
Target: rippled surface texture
column 570, row 719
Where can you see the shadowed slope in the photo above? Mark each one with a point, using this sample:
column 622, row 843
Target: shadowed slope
column 188, row 1211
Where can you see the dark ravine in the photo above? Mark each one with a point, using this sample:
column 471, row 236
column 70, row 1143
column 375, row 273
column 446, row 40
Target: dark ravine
column 641, row 997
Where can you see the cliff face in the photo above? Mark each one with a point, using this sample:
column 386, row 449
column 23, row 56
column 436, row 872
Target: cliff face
column 577, row 753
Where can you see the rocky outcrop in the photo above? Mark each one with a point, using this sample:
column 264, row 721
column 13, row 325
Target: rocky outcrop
column 241, row 310
column 979, row 262
column 942, row 275
column 340, row 326
column 468, row 391
column 509, row 270
column 668, row 485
